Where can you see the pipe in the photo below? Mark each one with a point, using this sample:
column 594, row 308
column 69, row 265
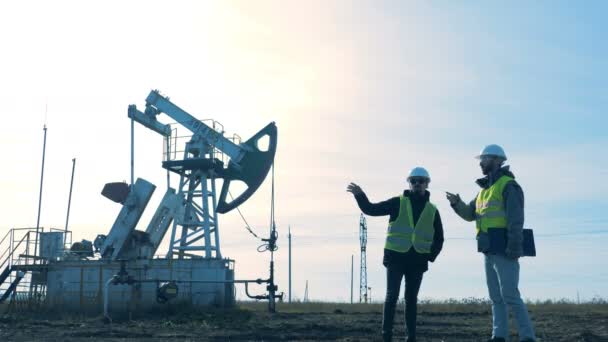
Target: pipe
column 289, row 237
column 65, row 234
column 257, row 281
column 168, row 147
column 132, row 150
column 40, row 196
column 106, row 294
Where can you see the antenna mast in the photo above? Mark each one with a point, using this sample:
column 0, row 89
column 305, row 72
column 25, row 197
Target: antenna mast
column 363, row 298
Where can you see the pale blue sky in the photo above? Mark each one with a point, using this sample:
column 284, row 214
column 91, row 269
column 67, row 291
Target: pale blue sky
column 361, row 91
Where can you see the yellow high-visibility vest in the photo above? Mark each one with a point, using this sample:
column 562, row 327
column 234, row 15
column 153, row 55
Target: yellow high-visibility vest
column 403, row 234
column 490, row 207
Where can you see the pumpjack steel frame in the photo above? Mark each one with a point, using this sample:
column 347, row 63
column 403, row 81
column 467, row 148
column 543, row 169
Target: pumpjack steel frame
column 196, row 229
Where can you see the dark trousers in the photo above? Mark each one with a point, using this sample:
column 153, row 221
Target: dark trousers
column 413, row 279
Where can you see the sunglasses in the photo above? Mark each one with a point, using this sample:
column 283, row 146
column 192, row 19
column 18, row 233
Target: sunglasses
column 418, row 180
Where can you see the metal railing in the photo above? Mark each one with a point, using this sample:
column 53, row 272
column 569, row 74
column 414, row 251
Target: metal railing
column 19, row 249
column 174, row 145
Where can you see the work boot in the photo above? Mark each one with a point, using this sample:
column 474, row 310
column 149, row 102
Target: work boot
column 497, row 339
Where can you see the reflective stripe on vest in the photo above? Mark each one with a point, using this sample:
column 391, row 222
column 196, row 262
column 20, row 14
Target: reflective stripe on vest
column 490, row 208
column 402, row 234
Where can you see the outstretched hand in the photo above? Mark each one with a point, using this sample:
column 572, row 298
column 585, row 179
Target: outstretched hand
column 354, row 189
column 453, row 198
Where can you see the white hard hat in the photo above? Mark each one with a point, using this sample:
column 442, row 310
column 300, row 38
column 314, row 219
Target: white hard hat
column 492, row 150
column 419, row 171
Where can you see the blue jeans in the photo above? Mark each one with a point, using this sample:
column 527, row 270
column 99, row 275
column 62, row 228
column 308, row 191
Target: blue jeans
column 502, row 276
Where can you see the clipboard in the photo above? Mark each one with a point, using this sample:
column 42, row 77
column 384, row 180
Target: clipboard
column 529, row 248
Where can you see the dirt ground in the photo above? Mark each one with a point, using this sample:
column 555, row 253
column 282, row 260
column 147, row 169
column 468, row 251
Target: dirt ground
column 304, row 322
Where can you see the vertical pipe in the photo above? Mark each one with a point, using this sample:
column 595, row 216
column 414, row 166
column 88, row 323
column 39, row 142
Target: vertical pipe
column 106, row 299
column 168, row 147
column 27, row 248
column 206, row 214
column 27, row 261
column 352, row 269
column 271, row 291
column 216, row 235
column 271, row 247
column 289, row 239
column 67, row 218
column 132, row 150
column 40, row 195
column 10, row 248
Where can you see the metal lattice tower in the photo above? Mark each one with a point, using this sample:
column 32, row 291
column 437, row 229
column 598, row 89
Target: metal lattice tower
column 199, row 225
column 363, row 271
column 196, row 232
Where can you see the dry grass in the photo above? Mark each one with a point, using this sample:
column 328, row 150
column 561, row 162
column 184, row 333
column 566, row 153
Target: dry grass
column 448, row 321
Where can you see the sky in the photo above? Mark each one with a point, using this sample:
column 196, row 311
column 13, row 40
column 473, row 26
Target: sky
column 361, row 91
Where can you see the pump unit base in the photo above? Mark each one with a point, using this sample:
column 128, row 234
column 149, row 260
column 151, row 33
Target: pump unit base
column 79, row 285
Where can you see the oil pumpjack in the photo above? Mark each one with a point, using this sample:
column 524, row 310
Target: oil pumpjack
column 126, row 275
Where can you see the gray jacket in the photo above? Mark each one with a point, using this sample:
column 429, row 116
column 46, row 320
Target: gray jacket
column 514, row 207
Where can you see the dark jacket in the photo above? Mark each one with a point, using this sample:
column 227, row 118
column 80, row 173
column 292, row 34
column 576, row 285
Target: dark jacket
column 390, row 207
column 510, row 241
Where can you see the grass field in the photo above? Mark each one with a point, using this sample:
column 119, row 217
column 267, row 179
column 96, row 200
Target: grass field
column 250, row 321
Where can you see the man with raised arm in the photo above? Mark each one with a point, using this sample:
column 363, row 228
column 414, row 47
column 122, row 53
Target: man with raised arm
column 414, row 237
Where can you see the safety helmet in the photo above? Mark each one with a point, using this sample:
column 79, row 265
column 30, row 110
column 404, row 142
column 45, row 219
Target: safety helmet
column 419, row 172
column 492, row 150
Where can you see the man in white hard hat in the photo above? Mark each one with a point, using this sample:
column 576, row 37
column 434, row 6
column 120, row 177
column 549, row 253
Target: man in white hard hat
column 498, row 212
column 415, row 237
